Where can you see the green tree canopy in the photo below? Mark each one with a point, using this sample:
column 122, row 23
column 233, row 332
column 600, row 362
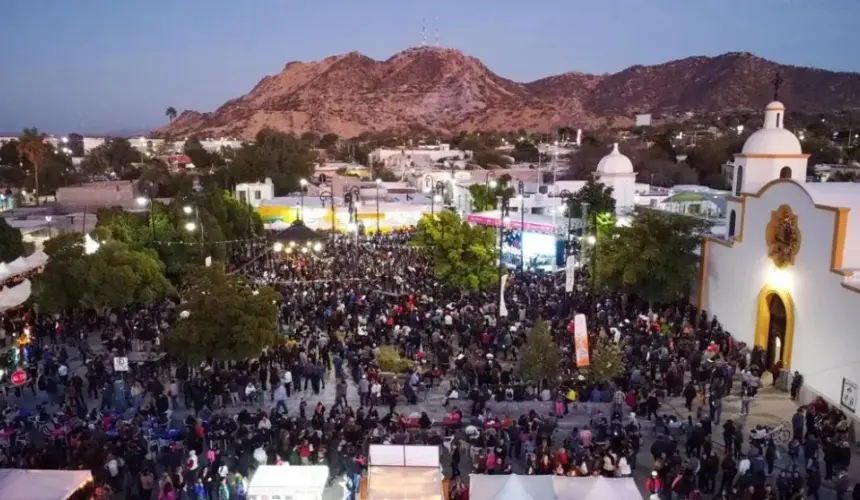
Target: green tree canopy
column 11, row 242
column 606, row 361
column 113, row 276
column 223, row 317
column 282, row 157
column 540, row 356
column 198, row 155
column 487, row 198
column 114, row 157
column 654, row 257
column 597, row 195
column 464, row 256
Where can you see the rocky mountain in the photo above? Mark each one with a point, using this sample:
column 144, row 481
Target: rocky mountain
column 445, row 90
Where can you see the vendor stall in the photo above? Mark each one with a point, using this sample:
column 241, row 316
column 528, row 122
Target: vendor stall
column 286, row 482
column 30, row 484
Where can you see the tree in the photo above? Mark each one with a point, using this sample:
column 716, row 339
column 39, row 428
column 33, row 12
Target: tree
column 486, row 198
column 278, row 155
column 606, row 361
column 540, row 356
column 117, row 276
column 654, row 257
column 464, row 256
column 9, row 153
column 327, row 141
column 597, row 195
column 223, row 317
column 113, row 276
column 170, row 113
column 198, row 155
column 11, row 242
column 115, row 157
column 389, row 359
column 33, row 147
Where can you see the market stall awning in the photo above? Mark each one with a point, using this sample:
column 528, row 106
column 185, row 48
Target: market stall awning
column 298, row 233
column 517, row 487
column 30, row 484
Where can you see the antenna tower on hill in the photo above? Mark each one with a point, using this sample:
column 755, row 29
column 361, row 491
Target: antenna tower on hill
column 423, row 32
column 438, row 43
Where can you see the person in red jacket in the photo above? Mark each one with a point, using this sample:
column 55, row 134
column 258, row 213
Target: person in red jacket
column 653, row 484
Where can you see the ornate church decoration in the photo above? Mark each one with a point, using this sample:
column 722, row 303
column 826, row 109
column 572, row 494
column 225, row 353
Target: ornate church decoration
column 783, row 237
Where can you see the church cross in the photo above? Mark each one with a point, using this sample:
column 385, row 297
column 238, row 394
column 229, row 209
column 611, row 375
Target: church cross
column 777, row 82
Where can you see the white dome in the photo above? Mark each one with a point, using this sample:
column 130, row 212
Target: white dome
column 615, row 163
column 773, row 139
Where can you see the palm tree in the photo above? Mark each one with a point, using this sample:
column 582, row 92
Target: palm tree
column 170, row 113
column 33, row 147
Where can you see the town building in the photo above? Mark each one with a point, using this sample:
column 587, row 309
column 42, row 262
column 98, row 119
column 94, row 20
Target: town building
column 786, row 275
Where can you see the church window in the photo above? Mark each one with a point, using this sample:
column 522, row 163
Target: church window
column 732, row 220
column 785, row 173
column 779, row 120
column 739, row 179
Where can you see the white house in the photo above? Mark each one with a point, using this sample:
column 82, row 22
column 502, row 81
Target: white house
column 785, row 276
column 255, row 193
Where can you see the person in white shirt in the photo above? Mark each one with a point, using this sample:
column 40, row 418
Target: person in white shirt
column 260, row 456
column 250, row 390
column 288, row 381
column 375, row 392
column 264, row 424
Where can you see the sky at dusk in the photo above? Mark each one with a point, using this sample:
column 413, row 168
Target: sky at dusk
column 97, row 66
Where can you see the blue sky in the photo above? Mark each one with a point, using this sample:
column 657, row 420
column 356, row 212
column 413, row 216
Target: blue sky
column 104, row 65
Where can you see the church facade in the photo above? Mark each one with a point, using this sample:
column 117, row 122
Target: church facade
column 783, row 278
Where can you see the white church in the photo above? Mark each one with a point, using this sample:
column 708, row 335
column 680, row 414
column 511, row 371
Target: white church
column 783, row 278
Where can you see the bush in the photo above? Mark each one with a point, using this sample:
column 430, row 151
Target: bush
column 390, row 360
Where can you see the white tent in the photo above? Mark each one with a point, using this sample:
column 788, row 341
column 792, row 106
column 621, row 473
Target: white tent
column 26, row 484
column 305, row 482
column 12, row 297
column 516, row 487
column 22, row 265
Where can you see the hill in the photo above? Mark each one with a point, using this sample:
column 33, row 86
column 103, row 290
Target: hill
column 446, row 90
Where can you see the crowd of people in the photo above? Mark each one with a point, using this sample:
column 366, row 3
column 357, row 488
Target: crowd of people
column 169, row 431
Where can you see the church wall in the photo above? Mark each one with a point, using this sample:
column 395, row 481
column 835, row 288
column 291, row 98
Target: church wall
column 825, row 313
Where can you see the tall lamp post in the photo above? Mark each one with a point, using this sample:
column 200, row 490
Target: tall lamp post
column 489, row 183
column 143, row 202
column 378, row 187
column 304, row 185
column 521, row 195
column 188, row 209
column 326, row 194
column 504, row 218
column 352, row 199
column 567, row 196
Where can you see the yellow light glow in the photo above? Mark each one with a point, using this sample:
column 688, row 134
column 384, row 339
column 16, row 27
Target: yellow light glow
column 780, row 279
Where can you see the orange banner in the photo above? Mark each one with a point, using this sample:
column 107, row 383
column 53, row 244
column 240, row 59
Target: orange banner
column 580, row 341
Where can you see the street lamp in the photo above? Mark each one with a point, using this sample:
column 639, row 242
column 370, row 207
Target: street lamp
column 303, row 183
column 352, row 198
column 326, row 194
column 48, row 219
column 521, row 196
column 504, row 219
column 567, row 196
column 378, row 186
column 278, row 247
column 190, row 226
column 188, row 210
column 142, row 202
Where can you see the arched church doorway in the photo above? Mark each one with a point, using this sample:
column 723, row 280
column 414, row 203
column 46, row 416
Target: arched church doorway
column 775, row 327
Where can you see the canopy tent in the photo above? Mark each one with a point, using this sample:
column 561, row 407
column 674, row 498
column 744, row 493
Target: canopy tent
column 12, row 297
column 516, row 487
column 27, row 484
column 305, row 482
column 298, row 233
column 22, row 265
column 404, row 483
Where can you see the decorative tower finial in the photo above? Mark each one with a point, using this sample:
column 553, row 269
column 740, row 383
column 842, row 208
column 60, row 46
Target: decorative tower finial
column 777, row 82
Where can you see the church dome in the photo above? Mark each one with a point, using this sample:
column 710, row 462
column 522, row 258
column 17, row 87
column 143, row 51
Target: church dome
column 772, row 139
column 615, row 163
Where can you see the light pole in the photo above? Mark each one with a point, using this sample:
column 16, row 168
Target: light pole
column 378, row 187
column 326, row 194
column 504, row 217
column 303, row 183
column 48, row 219
column 144, row 202
column 567, row 196
column 351, row 197
column 488, row 185
column 188, row 209
column 522, row 197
